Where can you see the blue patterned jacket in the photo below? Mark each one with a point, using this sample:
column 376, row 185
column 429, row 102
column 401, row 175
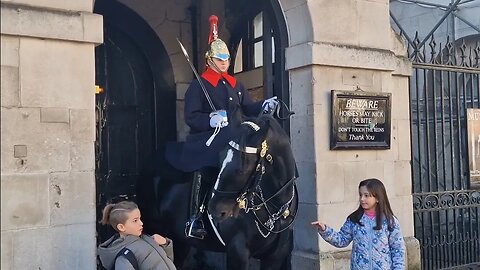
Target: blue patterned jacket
column 372, row 249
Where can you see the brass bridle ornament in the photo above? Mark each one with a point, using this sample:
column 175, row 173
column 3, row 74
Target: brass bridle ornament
column 252, row 190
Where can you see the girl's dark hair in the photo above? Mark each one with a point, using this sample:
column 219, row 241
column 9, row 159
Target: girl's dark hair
column 117, row 213
column 383, row 209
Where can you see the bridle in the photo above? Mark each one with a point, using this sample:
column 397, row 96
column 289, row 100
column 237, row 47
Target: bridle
column 252, row 190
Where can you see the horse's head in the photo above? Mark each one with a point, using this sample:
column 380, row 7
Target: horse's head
column 260, row 154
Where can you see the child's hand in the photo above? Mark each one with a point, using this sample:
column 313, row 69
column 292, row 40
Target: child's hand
column 319, row 225
column 159, row 239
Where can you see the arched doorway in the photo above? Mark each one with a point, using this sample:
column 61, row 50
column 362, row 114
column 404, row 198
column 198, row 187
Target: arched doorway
column 134, row 68
column 135, row 106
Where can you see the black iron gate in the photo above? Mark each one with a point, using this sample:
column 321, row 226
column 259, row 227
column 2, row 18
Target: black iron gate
column 445, row 82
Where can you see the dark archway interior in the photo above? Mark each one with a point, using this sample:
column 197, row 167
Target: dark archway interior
column 135, row 107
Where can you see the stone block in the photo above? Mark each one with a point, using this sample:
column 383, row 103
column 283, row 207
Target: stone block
column 72, row 198
column 357, row 77
column 52, row 24
column 181, row 90
column 7, row 250
column 54, row 115
column 373, row 24
column 62, row 247
column 24, row 203
column 400, row 98
column 298, row 56
column 338, row 260
column 9, row 51
column 302, row 136
column 306, row 183
column 326, row 54
column 322, row 136
column 57, row 74
column 82, row 156
column 356, row 155
column 169, row 32
column 300, row 16
column 92, row 28
column 78, row 5
column 289, row 4
column 306, row 260
column 181, row 68
column 302, row 91
column 413, row 258
column 330, row 183
column 306, row 238
column 335, row 22
column 375, row 169
column 398, row 43
column 354, row 172
column 82, row 125
column 10, row 87
column 403, row 178
column 19, row 151
column 402, row 207
column 404, row 147
column 48, row 144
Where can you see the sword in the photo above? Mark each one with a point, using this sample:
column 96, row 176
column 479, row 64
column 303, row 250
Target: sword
column 207, row 96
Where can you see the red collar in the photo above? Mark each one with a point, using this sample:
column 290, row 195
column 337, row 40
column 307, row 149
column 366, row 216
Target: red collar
column 213, row 77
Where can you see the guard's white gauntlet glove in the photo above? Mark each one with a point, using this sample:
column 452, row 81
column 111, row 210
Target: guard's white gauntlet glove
column 270, row 104
column 218, row 119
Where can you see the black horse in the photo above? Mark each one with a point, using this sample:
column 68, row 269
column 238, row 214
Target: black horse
column 252, row 206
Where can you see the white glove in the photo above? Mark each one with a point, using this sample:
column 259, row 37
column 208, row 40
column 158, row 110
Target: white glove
column 218, row 119
column 270, row 104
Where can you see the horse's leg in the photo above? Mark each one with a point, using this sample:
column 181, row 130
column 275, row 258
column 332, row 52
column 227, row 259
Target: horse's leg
column 237, row 254
column 281, row 258
column 180, row 251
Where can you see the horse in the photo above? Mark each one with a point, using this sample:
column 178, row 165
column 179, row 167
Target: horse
column 252, row 205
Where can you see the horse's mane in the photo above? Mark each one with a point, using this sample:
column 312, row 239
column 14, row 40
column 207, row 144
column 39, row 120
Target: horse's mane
column 270, row 130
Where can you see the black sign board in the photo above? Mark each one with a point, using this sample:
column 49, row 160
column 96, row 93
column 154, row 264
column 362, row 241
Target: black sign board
column 360, row 120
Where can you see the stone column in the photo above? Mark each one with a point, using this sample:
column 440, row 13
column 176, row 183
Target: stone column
column 48, row 133
column 351, row 45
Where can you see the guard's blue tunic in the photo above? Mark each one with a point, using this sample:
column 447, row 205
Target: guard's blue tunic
column 194, row 154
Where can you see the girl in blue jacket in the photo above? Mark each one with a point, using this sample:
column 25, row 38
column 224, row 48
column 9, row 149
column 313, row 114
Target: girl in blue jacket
column 375, row 232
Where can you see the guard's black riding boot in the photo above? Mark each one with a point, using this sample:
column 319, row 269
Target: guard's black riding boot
column 195, row 227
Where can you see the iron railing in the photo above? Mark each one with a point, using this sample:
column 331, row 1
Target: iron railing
column 445, row 82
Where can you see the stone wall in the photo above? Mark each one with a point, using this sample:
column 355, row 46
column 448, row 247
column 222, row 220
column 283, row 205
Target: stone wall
column 349, row 46
column 48, row 134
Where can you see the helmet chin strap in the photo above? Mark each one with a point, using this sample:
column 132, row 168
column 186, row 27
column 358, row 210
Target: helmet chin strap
column 213, row 65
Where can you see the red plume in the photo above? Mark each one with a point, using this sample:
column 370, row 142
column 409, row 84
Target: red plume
column 213, row 28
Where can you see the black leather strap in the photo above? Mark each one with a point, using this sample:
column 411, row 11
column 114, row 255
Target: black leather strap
column 128, row 254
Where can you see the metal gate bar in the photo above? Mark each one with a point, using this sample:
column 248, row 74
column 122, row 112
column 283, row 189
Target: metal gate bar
column 444, row 83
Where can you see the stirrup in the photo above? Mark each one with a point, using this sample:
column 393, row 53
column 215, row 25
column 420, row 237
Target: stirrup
column 195, row 228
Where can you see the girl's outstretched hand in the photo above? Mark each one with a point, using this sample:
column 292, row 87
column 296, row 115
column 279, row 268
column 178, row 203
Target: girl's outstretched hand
column 159, row 239
column 320, row 226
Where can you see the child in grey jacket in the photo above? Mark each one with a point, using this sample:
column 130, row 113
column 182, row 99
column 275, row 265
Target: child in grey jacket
column 150, row 252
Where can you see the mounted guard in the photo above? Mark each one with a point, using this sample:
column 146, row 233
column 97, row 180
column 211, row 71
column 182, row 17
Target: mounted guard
column 212, row 102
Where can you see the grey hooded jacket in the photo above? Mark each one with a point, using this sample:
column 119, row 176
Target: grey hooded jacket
column 148, row 253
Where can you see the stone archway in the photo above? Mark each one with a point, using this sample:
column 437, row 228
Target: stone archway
column 135, row 107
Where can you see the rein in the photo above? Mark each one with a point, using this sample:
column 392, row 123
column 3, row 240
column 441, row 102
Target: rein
column 276, row 110
column 252, row 190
